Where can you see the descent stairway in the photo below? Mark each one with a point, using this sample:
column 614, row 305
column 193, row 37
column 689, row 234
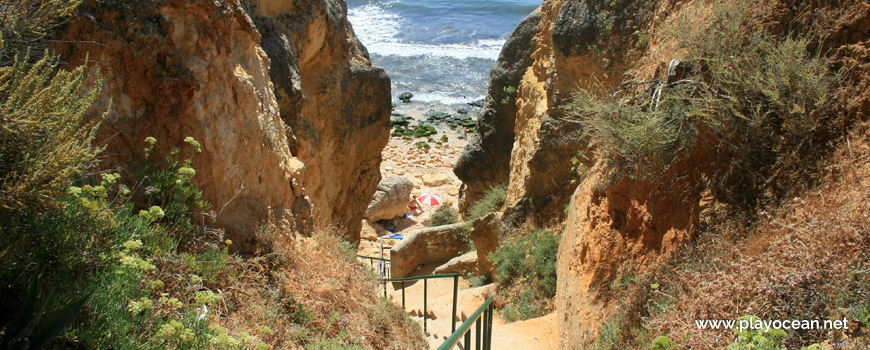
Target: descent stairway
column 538, row 333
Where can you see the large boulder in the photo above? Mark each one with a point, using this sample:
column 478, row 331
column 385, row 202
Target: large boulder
column 391, row 199
column 427, row 245
column 435, row 179
column 463, row 264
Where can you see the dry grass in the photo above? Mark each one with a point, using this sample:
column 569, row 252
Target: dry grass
column 806, row 261
column 318, row 295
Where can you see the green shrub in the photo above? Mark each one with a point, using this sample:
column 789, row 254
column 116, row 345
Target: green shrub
column 525, row 269
column 754, row 96
column 445, row 215
column 168, row 186
column 477, row 281
column 642, row 39
column 145, row 293
column 757, row 338
column 45, row 139
column 611, row 334
column 491, row 201
column 661, row 343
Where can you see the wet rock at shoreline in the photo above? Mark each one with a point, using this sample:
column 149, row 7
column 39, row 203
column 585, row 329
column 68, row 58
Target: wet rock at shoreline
column 405, row 97
column 478, row 103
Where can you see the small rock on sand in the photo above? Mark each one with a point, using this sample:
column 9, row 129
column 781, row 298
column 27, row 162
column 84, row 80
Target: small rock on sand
column 435, row 179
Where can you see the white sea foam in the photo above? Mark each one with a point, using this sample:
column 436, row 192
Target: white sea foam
column 446, row 98
column 373, row 24
column 461, row 51
column 377, row 29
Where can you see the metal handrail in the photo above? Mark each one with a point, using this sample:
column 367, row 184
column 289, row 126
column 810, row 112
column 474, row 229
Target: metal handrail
column 426, row 279
column 482, row 317
column 372, row 258
column 383, row 267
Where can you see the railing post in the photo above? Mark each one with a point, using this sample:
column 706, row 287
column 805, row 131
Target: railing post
column 480, row 319
column 478, row 338
column 485, row 320
column 467, row 339
column 455, row 290
column 385, row 289
column 403, row 295
column 425, row 286
column 489, row 328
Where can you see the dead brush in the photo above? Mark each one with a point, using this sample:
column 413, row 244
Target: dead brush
column 806, row 261
column 319, row 294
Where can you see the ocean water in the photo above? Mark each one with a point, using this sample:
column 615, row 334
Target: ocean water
column 439, row 50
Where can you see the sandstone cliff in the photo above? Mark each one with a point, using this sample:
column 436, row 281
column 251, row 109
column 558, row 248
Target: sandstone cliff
column 291, row 114
column 335, row 103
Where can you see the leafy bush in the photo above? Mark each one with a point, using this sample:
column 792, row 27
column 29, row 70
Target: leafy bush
column 661, row 343
column 145, row 293
column 491, row 201
column 169, row 187
column 445, row 215
column 756, row 98
column 525, row 269
column 477, row 281
column 757, row 338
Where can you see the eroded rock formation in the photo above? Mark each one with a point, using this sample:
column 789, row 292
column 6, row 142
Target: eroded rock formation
column 336, row 104
column 485, row 161
column 290, row 113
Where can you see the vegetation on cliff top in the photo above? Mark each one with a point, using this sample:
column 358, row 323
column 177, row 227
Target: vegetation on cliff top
column 754, row 103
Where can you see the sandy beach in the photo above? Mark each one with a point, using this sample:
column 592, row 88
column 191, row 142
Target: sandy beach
column 431, row 171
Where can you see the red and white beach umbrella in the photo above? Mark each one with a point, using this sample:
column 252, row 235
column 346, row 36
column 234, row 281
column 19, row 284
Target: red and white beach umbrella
column 430, row 199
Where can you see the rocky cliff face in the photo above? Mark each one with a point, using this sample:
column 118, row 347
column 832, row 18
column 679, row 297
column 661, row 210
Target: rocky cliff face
column 290, row 113
column 486, row 160
column 525, row 141
column 336, row 104
column 577, row 44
